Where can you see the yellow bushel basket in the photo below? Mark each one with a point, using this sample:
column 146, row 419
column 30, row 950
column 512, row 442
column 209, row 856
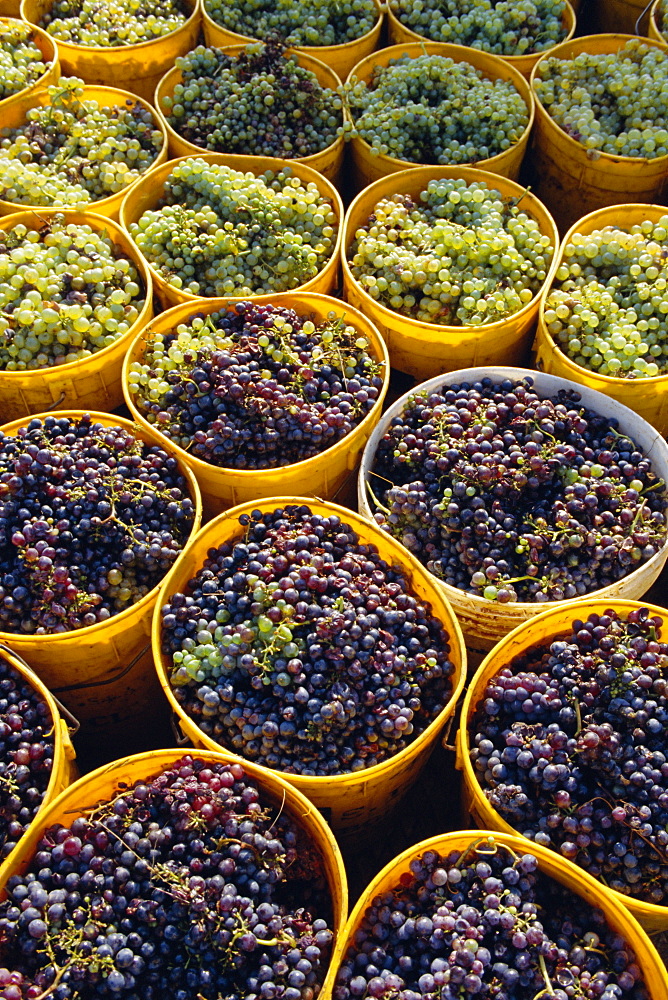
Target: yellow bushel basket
column 423, row 349
column 47, row 46
column 147, row 194
column 136, row 68
column 351, row 802
column 541, row 630
column 647, row 396
column 573, row 183
column 397, row 33
column 367, row 167
column 583, row 887
column 340, row 58
column 106, row 782
column 14, row 115
column 90, row 382
column 103, row 672
column 64, row 770
column 10, row 8
column 655, row 26
column 328, row 162
column 324, row 474
column 485, row 622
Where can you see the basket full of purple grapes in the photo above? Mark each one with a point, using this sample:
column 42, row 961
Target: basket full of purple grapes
column 296, row 636
column 471, row 916
column 91, row 519
column 516, row 489
column 173, row 877
column 564, row 742
column 257, row 387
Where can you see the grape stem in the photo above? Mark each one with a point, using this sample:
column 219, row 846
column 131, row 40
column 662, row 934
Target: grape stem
column 375, row 499
column 548, row 990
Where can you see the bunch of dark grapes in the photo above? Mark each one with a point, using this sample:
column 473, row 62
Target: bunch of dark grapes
column 484, row 924
column 26, row 754
column 259, row 102
column 507, row 493
column 91, row 519
column 570, row 748
column 185, row 885
column 301, row 649
column 257, row 387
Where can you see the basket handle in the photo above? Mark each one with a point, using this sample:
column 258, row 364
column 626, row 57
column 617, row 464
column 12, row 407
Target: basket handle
column 73, row 723
column 641, row 15
column 182, row 739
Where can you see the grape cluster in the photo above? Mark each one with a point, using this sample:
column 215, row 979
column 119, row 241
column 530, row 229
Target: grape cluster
column 504, row 27
column 259, row 103
column 610, row 102
column 21, row 62
column 91, row 519
column 509, row 494
column 26, row 754
column 220, row 231
column 296, row 22
column 114, row 22
column 459, row 255
column 257, row 387
column 73, row 151
column 484, row 924
column 301, row 649
column 608, row 307
column 569, row 747
column 66, row 291
column 188, row 884
column 431, row 109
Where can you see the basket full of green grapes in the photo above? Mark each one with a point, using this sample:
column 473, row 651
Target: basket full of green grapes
column 601, row 133
column 207, row 229
column 121, row 43
column 74, row 146
column 450, row 269
column 517, row 30
column 28, row 59
column 603, row 322
column 340, row 34
column 431, row 103
column 73, row 293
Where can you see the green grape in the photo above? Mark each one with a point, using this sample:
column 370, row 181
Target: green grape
column 114, row 23
column 296, row 22
column 459, row 255
column 259, row 103
column 608, row 306
column 431, row 109
column 504, row 27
